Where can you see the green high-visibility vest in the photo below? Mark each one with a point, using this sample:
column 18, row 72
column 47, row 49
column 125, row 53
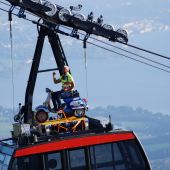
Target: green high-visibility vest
column 66, row 80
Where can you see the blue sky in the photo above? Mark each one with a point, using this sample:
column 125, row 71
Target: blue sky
column 112, row 79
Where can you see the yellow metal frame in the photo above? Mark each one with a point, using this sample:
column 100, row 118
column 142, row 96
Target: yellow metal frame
column 61, row 123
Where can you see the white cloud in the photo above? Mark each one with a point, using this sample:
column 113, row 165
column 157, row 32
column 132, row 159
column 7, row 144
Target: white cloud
column 126, row 3
column 5, row 45
column 145, row 26
column 29, row 61
column 147, row 29
column 166, row 27
column 4, row 23
column 22, row 46
column 16, row 46
column 67, row 41
column 100, row 38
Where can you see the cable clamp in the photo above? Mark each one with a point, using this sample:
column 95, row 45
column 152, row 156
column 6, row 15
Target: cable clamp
column 10, row 13
column 21, row 13
column 85, row 40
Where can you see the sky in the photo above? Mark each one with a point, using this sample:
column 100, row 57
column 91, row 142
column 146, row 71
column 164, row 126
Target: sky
column 111, row 79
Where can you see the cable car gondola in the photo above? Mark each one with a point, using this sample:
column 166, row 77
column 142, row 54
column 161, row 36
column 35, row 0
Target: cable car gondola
column 91, row 151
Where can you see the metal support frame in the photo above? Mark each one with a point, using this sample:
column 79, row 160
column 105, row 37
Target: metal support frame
column 60, row 59
column 62, row 16
column 58, row 51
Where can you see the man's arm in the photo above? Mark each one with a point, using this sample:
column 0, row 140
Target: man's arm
column 56, row 81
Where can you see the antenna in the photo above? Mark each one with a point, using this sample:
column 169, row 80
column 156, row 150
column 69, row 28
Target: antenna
column 76, row 8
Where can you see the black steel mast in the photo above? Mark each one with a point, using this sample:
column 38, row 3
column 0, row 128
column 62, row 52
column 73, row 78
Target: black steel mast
column 60, row 62
column 53, row 16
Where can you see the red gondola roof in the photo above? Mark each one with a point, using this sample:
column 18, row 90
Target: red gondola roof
column 74, row 142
